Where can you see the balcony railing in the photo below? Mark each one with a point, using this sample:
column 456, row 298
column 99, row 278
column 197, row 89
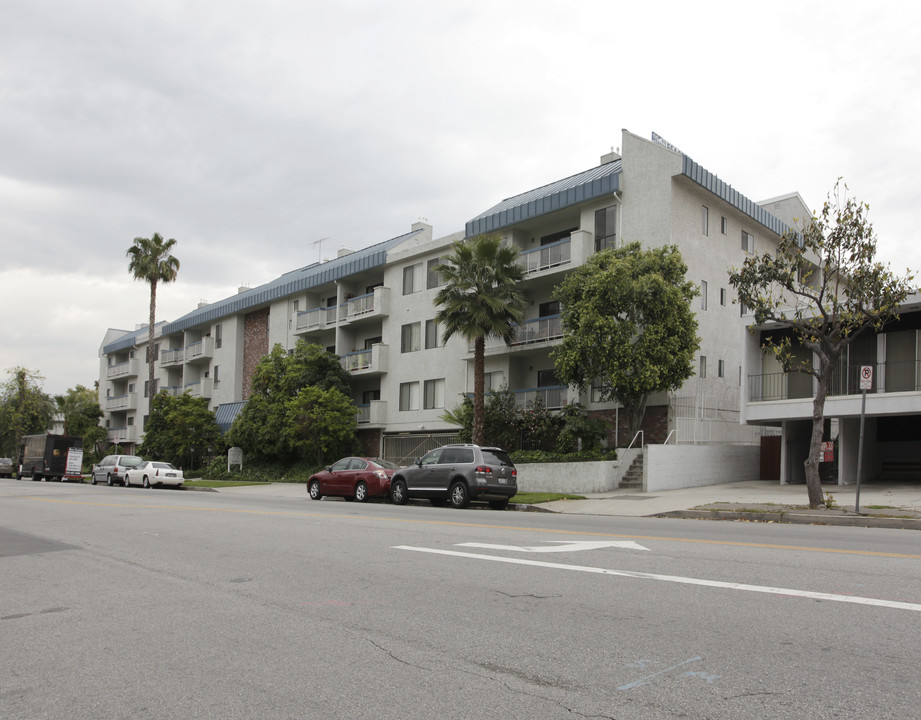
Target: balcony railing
column 554, row 398
column 370, row 360
column 201, row 388
column 546, row 256
column 201, row 350
column 122, row 402
column 539, row 330
column 897, row 376
column 172, row 356
column 122, row 434
column 128, row 368
column 363, row 416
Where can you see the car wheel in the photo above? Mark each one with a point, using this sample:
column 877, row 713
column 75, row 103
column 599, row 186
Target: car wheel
column 361, row 492
column 109, row 480
column 125, row 482
column 314, row 490
column 498, row 504
column 398, row 493
column 459, row 495
column 146, row 482
column 93, row 481
column 35, row 476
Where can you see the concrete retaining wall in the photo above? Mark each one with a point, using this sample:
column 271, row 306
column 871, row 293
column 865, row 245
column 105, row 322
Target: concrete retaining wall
column 668, row 467
column 576, row 478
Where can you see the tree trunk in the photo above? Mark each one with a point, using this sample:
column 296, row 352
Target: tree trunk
column 479, row 404
column 813, row 481
column 150, row 351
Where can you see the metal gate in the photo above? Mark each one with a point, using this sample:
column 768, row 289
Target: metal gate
column 403, row 449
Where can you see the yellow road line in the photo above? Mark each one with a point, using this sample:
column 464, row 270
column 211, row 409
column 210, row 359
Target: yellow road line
column 451, row 523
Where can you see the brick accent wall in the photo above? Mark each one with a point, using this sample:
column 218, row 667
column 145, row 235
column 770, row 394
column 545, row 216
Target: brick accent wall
column 255, row 345
column 654, row 426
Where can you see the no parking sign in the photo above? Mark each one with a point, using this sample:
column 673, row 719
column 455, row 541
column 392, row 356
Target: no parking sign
column 866, row 377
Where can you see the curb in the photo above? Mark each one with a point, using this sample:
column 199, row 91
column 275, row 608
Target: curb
column 800, row 518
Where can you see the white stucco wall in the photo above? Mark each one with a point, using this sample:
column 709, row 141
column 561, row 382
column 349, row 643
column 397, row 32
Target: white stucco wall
column 668, row 467
column 577, row 478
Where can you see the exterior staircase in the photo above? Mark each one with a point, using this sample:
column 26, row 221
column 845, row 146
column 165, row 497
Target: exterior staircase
column 633, row 478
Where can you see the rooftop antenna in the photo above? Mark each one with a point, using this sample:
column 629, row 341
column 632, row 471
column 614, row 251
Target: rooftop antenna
column 318, row 244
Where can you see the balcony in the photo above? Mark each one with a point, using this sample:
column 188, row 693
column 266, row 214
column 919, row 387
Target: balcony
column 126, row 369
column 201, row 351
column 201, row 388
column 367, row 362
column 122, row 402
column 539, row 330
column 373, row 413
column 554, row 398
column 173, row 356
column 174, row 390
column 122, row 435
column 546, row 257
column 315, row 320
column 372, row 306
column 888, row 377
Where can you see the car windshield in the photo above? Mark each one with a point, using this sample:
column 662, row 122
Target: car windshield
column 131, row 461
column 494, row 456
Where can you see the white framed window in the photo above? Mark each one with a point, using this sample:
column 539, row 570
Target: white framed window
column 409, row 396
column 493, row 380
column 217, row 374
column 433, row 278
column 724, row 226
column 705, row 219
column 412, row 279
column 410, row 337
column 703, row 366
column 432, row 336
column 748, row 242
column 703, row 294
column 721, row 368
column 433, row 394
column 219, row 335
column 722, row 296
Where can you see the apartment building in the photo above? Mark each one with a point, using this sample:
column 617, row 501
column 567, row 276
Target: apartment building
column 375, row 309
column 892, row 410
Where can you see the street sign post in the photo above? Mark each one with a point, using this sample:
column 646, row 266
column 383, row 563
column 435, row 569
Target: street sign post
column 866, row 382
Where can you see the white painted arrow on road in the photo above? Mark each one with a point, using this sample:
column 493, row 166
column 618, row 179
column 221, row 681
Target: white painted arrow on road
column 563, row 546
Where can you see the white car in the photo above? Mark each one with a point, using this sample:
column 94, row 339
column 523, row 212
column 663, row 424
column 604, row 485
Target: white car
column 153, row 472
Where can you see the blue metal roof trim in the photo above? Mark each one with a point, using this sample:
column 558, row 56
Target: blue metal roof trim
column 593, row 183
column 723, row 190
column 226, row 413
column 128, row 340
column 291, row 282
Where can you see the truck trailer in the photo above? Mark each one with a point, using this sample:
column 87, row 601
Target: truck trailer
column 51, row 457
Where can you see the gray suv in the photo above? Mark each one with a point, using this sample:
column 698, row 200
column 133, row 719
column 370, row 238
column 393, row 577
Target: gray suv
column 458, row 474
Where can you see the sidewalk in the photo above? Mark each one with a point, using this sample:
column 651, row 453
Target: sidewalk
column 881, row 504
column 894, row 505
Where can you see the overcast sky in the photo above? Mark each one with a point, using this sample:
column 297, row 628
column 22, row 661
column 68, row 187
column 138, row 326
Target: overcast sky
column 248, row 131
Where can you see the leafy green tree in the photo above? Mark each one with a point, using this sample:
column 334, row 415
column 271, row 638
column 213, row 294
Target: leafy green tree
column 321, row 423
column 82, row 413
column 824, row 284
column 578, row 431
column 262, row 427
column 480, row 297
column 25, row 409
column 628, row 325
column 181, row 429
column 149, row 259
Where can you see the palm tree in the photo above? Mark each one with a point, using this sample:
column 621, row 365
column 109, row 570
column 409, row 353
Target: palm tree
column 480, row 297
column 149, row 260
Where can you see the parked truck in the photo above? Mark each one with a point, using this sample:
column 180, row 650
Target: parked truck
column 51, row 457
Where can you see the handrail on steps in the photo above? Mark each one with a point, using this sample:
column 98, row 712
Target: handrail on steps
column 639, row 434
column 673, row 432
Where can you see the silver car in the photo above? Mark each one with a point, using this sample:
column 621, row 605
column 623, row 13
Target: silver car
column 112, row 468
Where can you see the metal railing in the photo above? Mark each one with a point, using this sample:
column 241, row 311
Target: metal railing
column 546, row 256
column 895, row 376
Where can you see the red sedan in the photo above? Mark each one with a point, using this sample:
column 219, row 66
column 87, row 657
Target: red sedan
column 353, row 478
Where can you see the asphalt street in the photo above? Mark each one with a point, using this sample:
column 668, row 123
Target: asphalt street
column 128, row 603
